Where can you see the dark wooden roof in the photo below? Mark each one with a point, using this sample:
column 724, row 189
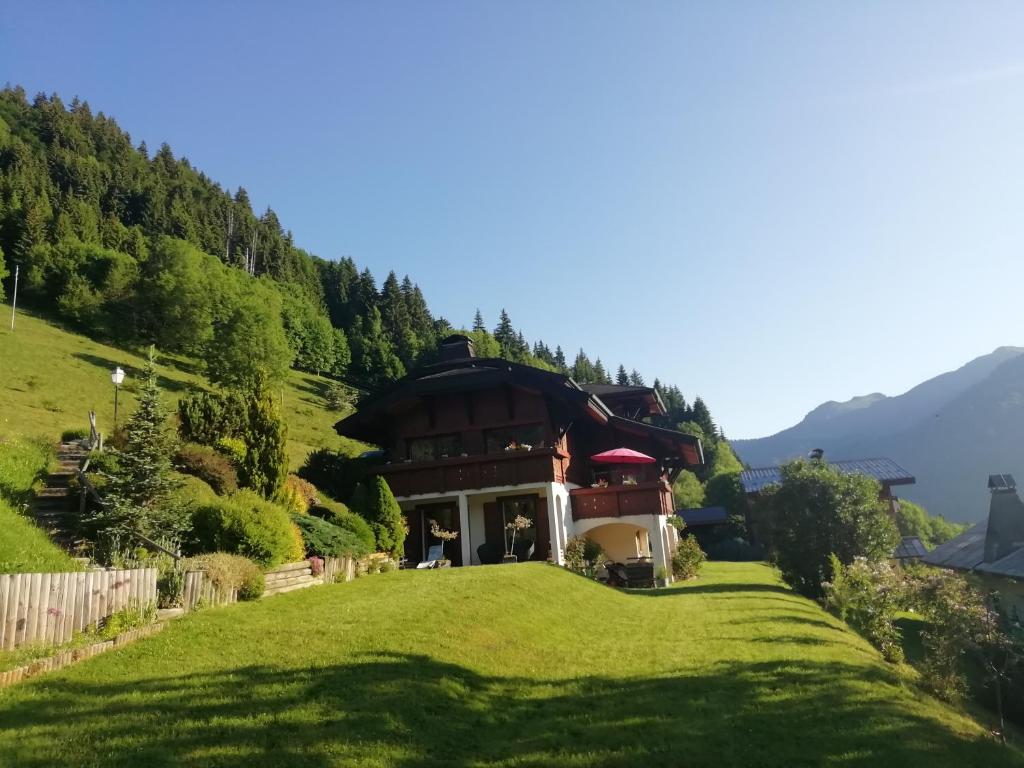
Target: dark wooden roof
column 468, row 374
column 964, row 553
column 910, row 548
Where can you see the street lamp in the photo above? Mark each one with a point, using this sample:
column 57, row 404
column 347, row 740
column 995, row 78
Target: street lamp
column 116, row 376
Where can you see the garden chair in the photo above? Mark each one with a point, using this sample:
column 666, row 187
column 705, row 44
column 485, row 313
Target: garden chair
column 433, row 557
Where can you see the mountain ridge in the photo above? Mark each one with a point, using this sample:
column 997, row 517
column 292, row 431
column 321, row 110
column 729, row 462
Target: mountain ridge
column 950, row 431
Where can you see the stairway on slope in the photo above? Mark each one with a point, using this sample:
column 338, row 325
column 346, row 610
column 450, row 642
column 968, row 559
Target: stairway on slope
column 54, row 505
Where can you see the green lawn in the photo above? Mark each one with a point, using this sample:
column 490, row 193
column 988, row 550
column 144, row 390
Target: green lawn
column 505, row 665
column 25, row 547
column 50, row 378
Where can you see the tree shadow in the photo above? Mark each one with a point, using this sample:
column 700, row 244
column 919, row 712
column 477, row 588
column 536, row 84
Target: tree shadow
column 107, row 364
column 407, row 710
column 712, row 589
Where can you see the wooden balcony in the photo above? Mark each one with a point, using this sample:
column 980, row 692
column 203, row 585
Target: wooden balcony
column 464, row 473
column 648, row 498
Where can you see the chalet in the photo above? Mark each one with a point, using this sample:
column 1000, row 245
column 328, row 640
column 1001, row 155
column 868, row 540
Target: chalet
column 992, row 550
column 473, row 443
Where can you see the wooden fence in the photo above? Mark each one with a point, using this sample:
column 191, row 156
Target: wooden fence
column 198, row 588
column 339, row 569
column 48, row 608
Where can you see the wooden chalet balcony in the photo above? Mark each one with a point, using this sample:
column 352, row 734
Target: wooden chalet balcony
column 463, row 473
column 648, row 498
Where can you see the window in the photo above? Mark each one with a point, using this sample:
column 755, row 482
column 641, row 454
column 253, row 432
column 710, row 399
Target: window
column 433, row 448
column 519, row 438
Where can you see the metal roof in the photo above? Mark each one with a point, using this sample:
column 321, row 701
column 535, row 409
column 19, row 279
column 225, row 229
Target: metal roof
column 909, row 548
column 885, row 471
column 1001, row 482
column 963, row 553
column 1011, row 566
column 704, row 515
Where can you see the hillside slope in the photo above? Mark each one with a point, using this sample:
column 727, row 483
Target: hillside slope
column 950, row 432
column 506, row 665
column 50, row 378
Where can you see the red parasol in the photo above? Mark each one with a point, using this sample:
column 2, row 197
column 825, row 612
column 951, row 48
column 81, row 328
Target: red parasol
column 622, row 456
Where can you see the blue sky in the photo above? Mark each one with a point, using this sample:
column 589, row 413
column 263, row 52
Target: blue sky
column 768, row 204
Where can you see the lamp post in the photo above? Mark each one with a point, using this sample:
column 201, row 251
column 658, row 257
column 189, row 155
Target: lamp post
column 116, row 376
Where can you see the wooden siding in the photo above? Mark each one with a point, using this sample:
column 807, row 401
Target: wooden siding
column 651, row 498
column 463, row 473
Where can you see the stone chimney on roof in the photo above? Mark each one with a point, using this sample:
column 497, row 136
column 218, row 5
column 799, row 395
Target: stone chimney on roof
column 1005, row 532
column 458, row 346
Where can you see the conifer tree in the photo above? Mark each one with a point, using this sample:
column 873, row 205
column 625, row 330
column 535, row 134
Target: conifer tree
column 636, row 379
column 600, row 375
column 505, row 335
column 478, row 322
column 265, row 465
column 559, row 360
column 137, row 499
column 582, row 369
column 621, row 377
column 374, row 501
column 702, row 417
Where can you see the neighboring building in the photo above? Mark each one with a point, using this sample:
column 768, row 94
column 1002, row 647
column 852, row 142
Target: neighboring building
column 472, row 443
column 886, row 471
column 992, row 550
column 703, row 518
column 909, row 550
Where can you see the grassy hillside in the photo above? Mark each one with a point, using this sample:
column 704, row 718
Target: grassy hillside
column 505, row 665
column 24, row 546
column 50, row 378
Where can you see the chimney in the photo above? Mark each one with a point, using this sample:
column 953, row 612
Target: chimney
column 457, row 347
column 816, row 454
column 1005, row 532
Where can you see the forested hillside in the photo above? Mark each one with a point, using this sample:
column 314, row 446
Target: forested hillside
column 135, row 246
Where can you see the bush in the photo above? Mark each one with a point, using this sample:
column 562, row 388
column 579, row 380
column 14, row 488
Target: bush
column 297, row 495
column 71, row 435
column 206, row 417
column 127, row 619
column 335, row 474
column 325, row 539
column 375, row 502
column 688, row 558
column 207, row 464
column 170, row 585
column 339, row 397
column 245, row 524
column 868, row 596
column 583, row 555
column 232, row 447
column 817, row 511
column 227, row 572
column 337, row 513
column 734, row 550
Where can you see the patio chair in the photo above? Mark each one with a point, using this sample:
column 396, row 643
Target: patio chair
column 433, row 557
column 640, row 573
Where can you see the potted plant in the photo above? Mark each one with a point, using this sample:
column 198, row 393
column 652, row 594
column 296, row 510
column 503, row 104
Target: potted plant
column 442, row 535
column 661, row 576
column 520, row 523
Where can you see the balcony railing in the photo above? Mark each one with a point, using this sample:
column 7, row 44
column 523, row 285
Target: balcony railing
column 649, row 498
column 463, row 473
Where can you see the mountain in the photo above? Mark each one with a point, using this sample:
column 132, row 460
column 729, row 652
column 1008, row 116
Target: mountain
column 950, row 432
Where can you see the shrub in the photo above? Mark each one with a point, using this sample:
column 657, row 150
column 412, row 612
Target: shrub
column 688, row 558
column 71, row 435
column 583, row 555
column 127, row 619
column 337, row 513
column 817, row 511
column 335, row 474
column 207, row 417
column 339, row 397
column 227, row 572
column 245, row 524
column 316, row 566
column 297, row 495
column 325, row 539
column 265, row 465
column 868, row 596
column 232, row 447
column 207, row 464
column 375, row 502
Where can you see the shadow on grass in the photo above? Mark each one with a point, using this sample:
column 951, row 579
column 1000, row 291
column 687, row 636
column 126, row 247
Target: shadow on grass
column 412, row 710
column 107, row 364
column 712, row 589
